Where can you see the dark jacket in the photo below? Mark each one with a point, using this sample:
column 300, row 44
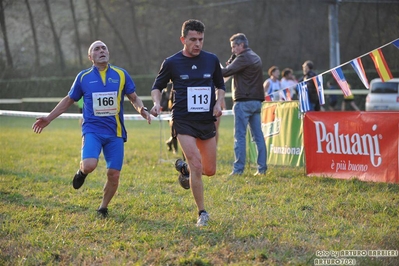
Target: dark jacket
column 312, row 91
column 247, row 71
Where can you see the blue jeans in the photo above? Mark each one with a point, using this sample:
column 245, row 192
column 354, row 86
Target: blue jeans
column 244, row 113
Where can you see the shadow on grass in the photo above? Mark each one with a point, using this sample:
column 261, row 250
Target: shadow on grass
column 358, row 184
column 10, row 194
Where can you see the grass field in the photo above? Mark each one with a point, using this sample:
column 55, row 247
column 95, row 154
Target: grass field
column 283, row 218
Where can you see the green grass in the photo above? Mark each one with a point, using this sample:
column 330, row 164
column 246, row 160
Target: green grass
column 279, row 219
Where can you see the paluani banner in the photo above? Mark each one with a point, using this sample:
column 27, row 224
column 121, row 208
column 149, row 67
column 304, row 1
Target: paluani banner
column 346, row 145
column 282, row 128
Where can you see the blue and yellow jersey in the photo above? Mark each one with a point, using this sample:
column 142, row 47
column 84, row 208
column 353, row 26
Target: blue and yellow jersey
column 103, row 96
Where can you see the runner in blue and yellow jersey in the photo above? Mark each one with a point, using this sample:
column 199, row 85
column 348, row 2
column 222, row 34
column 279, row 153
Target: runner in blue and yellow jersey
column 103, row 95
column 195, row 75
column 103, row 88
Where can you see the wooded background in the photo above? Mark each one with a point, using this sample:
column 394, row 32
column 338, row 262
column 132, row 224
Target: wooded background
column 43, row 38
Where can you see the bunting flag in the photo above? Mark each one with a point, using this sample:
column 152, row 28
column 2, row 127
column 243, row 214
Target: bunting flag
column 288, row 94
column 318, row 83
column 381, row 65
column 281, row 95
column 340, row 78
column 376, row 55
column 358, row 67
column 396, row 43
column 269, row 98
column 302, row 89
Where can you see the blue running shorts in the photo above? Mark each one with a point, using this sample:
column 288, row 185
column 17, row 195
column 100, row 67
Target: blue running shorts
column 113, row 149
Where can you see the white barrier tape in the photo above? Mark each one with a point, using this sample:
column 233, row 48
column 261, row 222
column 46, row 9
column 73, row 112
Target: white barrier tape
column 36, row 114
column 57, row 99
column 10, row 101
column 163, row 116
column 146, row 98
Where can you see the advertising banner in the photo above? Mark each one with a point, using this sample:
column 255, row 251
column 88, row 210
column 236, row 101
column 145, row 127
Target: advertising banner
column 346, row 145
column 283, row 132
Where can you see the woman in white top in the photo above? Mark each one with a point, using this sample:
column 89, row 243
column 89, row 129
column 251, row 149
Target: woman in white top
column 288, row 81
column 272, row 84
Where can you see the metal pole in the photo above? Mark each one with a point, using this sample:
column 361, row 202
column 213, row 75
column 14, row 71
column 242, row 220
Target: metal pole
column 334, row 33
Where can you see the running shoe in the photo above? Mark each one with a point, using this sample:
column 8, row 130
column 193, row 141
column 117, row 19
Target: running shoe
column 203, row 219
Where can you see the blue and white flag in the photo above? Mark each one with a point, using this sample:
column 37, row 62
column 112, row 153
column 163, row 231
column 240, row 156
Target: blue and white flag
column 318, row 82
column 396, row 43
column 302, row 89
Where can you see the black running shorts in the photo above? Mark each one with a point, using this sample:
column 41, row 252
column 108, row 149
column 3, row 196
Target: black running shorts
column 198, row 129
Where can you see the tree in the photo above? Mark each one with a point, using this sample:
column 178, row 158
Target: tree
column 33, row 28
column 143, row 32
column 59, row 55
column 142, row 54
column 90, row 21
column 126, row 49
column 4, row 30
column 75, row 24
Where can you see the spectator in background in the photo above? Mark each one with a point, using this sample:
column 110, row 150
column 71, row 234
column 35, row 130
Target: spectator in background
column 80, row 106
column 332, row 98
column 103, row 88
column 166, row 105
column 272, row 84
column 223, row 105
column 307, row 69
column 288, row 81
column 351, row 100
column 217, row 122
column 248, row 95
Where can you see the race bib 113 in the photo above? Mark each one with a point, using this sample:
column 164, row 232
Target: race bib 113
column 198, row 99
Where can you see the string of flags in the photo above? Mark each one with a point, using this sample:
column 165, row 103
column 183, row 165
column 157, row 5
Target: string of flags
column 380, row 65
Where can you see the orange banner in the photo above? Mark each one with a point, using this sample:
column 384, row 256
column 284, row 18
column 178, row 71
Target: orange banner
column 346, row 145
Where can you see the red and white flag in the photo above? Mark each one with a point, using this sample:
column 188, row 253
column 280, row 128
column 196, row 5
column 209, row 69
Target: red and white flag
column 358, row 67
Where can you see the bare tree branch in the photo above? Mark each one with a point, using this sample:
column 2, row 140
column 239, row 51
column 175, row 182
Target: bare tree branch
column 118, row 34
column 75, row 24
column 4, row 30
column 59, row 56
column 33, row 28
